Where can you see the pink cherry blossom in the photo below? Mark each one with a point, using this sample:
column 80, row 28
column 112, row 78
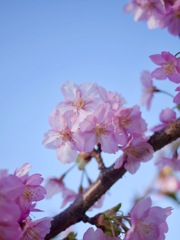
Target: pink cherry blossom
column 9, row 219
column 55, row 186
column 148, row 222
column 129, row 121
column 173, row 163
column 166, row 116
column 169, row 67
column 18, row 196
column 148, row 89
column 68, row 195
column 177, row 97
column 10, row 189
column 10, row 186
column 171, row 18
column 36, row 229
column 147, row 10
column 98, row 128
column 32, row 192
column 114, row 99
column 167, row 182
column 98, row 234
column 80, row 99
column 135, row 151
column 61, row 137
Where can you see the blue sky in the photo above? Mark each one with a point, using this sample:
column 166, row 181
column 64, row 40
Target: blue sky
column 45, row 43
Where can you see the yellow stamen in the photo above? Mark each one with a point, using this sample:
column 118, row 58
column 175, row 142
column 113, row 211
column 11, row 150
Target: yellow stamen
column 168, row 68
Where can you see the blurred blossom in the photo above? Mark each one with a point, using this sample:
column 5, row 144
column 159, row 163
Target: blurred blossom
column 167, row 182
column 167, row 116
column 177, row 97
column 148, row 89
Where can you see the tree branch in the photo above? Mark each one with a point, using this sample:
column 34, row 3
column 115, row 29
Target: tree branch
column 107, row 177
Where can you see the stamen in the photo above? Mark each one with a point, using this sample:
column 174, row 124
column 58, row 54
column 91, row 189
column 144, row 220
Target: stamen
column 66, row 135
column 100, row 129
column 79, row 104
column 168, row 68
column 124, row 122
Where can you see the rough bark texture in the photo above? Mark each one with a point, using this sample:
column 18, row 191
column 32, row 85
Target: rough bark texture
column 75, row 212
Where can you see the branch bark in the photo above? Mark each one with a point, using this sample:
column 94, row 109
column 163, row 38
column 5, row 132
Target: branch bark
column 107, row 177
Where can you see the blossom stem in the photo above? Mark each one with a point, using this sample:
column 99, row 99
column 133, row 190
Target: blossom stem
column 87, row 219
column 167, row 93
column 96, row 153
column 81, row 182
column 88, row 179
column 177, row 54
column 66, row 172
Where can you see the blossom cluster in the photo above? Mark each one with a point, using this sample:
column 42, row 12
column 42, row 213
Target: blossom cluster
column 168, row 68
column 146, row 222
column 19, row 194
column 157, row 13
column 167, row 182
column 91, row 116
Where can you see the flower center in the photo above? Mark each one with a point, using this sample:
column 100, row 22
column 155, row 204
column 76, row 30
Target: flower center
column 66, row 135
column 144, row 228
column 124, row 122
column 169, row 68
column 135, row 151
column 28, row 195
column 147, row 230
column 100, row 129
column 79, row 104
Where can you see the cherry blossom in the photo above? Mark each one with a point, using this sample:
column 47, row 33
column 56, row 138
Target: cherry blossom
column 173, row 163
column 166, row 116
column 167, row 182
column 19, row 193
column 68, row 195
column 114, row 99
column 31, row 193
column 171, row 18
column 80, row 99
column 10, row 189
column 147, row 10
column 177, row 97
column 98, row 128
column 98, row 234
column 148, row 89
column 9, row 219
column 10, row 186
column 148, row 222
column 129, row 121
column 169, row 67
column 55, row 186
column 36, row 229
column 61, row 137
column 135, row 151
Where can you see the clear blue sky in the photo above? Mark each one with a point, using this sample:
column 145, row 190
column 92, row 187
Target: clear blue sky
column 45, row 43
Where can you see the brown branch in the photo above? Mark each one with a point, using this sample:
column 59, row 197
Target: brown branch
column 165, row 136
column 75, row 212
